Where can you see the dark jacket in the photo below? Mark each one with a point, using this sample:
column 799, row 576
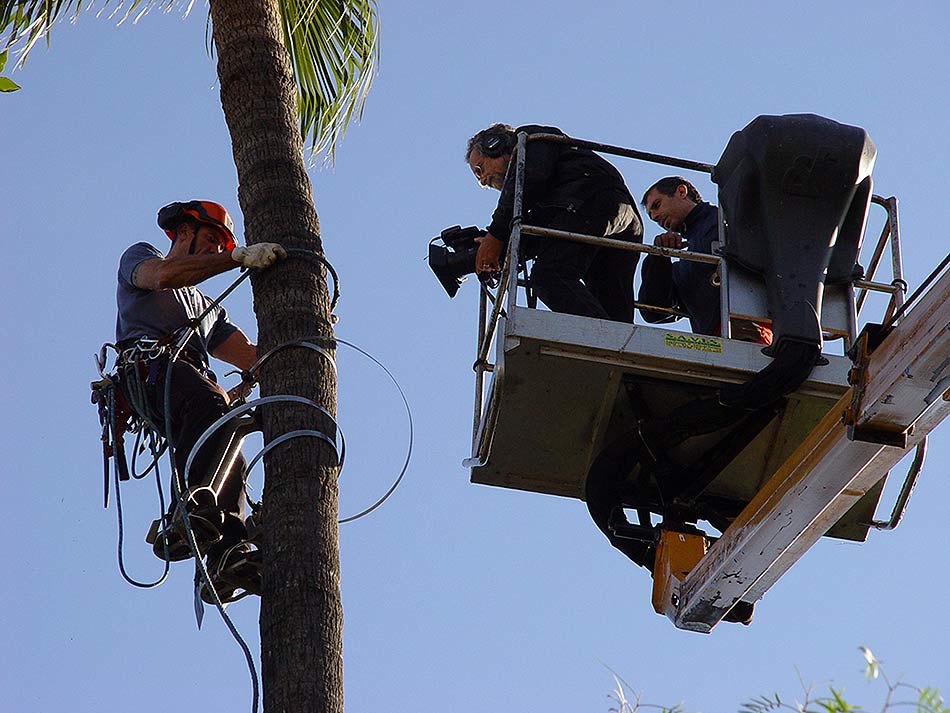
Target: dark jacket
column 685, row 285
column 558, row 176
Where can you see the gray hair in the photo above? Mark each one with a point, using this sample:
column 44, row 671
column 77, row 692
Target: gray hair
column 504, row 132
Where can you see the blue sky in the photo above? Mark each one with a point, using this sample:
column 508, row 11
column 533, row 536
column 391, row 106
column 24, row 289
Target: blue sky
column 456, row 596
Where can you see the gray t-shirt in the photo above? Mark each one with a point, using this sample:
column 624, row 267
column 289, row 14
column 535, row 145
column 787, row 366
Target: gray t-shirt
column 157, row 313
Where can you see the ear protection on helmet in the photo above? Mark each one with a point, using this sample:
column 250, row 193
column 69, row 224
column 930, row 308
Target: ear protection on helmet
column 170, row 216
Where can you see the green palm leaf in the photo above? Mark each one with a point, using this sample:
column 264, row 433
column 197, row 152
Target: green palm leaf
column 333, row 46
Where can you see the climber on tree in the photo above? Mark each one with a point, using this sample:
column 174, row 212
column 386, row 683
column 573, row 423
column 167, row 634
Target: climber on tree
column 156, row 297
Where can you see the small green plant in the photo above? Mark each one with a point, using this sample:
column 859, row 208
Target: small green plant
column 6, row 84
column 926, row 700
column 899, row 695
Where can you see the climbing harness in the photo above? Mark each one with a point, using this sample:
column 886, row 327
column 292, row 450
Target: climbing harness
column 192, row 524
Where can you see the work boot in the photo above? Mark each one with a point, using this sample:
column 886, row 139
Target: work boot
column 235, row 572
column 169, row 535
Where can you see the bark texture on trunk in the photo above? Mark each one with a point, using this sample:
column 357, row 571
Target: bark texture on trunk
column 301, row 611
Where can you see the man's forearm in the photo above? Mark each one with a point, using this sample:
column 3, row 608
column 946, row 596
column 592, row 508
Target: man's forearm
column 185, row 271
column 236, row 350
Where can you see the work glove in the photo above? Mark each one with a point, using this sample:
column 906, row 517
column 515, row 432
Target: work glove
column 258, row 256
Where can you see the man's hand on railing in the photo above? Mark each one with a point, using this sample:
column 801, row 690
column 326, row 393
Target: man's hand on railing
column 670, row 240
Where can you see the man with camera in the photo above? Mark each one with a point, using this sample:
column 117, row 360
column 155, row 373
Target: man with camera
column 569, row 189
column 156, row 299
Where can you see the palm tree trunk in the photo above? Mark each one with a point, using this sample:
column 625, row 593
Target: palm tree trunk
column 301, row 610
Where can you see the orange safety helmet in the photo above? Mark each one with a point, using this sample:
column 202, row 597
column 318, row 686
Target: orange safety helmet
column 205, row 212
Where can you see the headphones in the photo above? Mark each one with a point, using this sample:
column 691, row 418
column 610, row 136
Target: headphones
column 493, row 145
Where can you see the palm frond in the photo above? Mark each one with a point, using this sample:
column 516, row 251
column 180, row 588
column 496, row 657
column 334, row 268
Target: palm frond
column 24, row 22
column 334, row 48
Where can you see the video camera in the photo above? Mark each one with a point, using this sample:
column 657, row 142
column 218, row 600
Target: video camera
column 455, row 258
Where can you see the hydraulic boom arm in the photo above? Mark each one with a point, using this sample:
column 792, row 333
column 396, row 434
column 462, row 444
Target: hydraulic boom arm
column 900, row 392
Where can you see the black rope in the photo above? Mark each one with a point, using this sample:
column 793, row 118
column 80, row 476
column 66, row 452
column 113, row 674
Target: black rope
column 156, row 448
column 118, row 506
column 313, row 254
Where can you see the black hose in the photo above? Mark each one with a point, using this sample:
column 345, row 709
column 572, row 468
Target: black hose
column 791, row 366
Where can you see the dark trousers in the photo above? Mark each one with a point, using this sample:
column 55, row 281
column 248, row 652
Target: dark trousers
column 581, row 279
column 195, row 403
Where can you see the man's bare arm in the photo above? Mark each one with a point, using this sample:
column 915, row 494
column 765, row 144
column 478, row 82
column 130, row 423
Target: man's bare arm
column 237, row 350
column 181, row 271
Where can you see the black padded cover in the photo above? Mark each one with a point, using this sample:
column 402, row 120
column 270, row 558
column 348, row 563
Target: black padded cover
column 795, row 191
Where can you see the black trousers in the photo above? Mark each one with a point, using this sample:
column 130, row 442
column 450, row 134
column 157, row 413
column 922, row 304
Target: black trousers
column 195, row 403
column 581, row 279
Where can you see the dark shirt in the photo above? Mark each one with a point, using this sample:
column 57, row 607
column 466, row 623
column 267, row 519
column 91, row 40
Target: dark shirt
column 558, row 176
column 685, row 285
column 158, row 313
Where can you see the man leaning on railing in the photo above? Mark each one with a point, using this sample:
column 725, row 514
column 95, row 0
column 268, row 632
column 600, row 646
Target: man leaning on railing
column 690, row 223
column 569, row 189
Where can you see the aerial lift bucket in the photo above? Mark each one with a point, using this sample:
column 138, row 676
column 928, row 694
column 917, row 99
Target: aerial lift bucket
column 795, row 193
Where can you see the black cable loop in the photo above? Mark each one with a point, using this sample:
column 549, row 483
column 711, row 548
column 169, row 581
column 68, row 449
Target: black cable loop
column 118, row 507
column 135, row 452
column 136, row 397
column 263, row 401
column 110, row 426
column 308, row 343
column 405, row 465
column 306, row 252
column 156, row 449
